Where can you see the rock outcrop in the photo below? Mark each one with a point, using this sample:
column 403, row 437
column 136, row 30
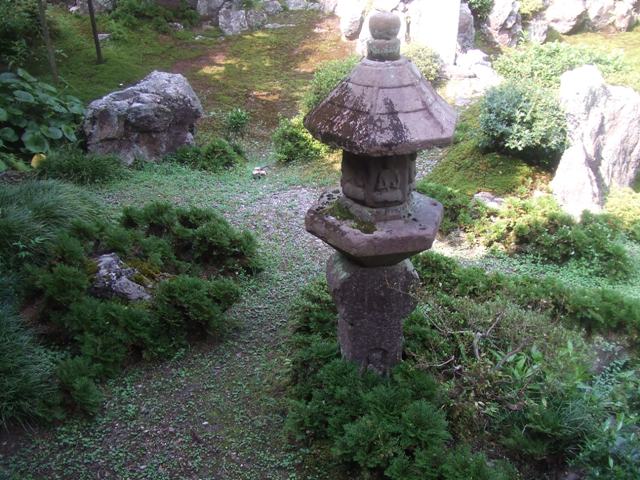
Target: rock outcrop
column 232, row 21
column 115, row 279
column 470, row 77
column 466, row 29
column 604, row 134
column 504, row 23
column 146, row 121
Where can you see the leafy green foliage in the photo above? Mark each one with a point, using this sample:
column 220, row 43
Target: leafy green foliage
column 467, row 168
column 216, row 156
column 523, row 120
column 459, row 210
column 327, row 77
column 235, row 123
column 132, row 12
column 624, row 204
column 19, row 30
column 72, row 164
column 77, row 381
column 34, row 115
column 528, row 8
column 544, row 64
column 538, row 226
column 428, row 62
column 27, row 389
column 188, row 306
column 394, row 425
column 480, row 8
column 596, row 309
column 293, row 142
column 200, row 237
column 31, row 215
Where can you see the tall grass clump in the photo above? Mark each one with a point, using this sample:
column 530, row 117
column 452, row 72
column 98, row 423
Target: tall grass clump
column 27, row 383
column 73, row 165
column 33, row 212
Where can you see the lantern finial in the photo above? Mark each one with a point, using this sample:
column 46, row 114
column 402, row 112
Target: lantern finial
column 385, row 44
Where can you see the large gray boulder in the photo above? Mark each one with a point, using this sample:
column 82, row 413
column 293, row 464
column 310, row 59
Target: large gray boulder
column 604, row 133
column 470, row 77
column 146, row 121
column 209, row 9
column 504, row 23
column 115, row 279
column 256, row 18
column 271, row 7
column 466, row 29
column 232, row 21
column 614, row 15
column 566, row 16
column 351, row 14
column 435, row 25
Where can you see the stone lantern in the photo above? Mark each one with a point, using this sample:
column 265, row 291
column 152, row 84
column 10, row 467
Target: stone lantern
column 380, row 116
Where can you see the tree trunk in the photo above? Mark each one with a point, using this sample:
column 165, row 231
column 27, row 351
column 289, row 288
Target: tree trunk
column 94, row 29
column 47, row 39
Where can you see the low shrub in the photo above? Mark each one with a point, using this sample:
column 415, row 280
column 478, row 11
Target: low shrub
column 538, row 226
column 465, row 167
column 529, row 8
column 27, row 386
column 20, row 31
column 525, row 121
column 293, row 142
column 77, row 380
column 73, row 165
column 132, row 12
column 428, row 62
column 327, row 77
column 460, row 212
column 544, row 64
column 235, row 124
column 198, row 236
column 480, row 8
column 596, row 309
column 393, row 426
column 216, row 156
column 34, row 114
column 188, row 306
column 624, row 204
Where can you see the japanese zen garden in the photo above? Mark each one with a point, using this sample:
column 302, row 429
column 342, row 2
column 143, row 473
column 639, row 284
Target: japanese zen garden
column 320, row 239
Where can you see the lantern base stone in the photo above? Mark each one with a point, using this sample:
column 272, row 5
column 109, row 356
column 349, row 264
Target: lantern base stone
column 372, row 305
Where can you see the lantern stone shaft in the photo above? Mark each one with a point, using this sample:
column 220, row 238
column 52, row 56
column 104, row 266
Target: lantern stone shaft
column 380, row 116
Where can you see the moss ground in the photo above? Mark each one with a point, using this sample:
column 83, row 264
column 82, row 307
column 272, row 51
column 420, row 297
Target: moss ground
column 464, row 167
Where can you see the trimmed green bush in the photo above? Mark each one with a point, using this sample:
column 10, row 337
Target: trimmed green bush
column 73, row 165
column 216, row 156
column 27, row 387
column 394, row 426
column 428, row 62
column 465, row 167
column 188, row 306
column 294, row 143
column 77, row 379
column 525, row 121
column 544, row 64
column 325, row 79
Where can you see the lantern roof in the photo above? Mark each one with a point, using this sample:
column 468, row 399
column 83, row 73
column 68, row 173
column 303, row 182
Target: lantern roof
column 385, row 106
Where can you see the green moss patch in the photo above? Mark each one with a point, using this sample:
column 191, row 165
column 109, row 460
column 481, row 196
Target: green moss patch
column 340, row 212
column 466, row 168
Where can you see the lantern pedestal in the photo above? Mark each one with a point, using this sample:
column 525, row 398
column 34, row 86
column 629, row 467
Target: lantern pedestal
column 372, row 304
